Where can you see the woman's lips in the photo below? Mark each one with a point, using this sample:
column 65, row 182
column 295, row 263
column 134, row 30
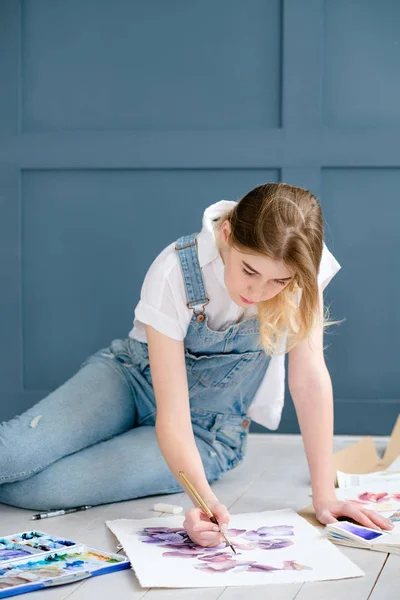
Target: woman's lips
column 245, row 300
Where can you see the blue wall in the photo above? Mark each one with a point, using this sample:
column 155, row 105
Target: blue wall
column 121, row 121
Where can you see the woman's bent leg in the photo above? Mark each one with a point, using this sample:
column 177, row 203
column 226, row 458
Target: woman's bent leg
column 95, row 404
column 127, row 466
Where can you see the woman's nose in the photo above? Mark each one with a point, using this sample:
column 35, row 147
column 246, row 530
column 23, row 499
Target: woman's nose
column 254, row 295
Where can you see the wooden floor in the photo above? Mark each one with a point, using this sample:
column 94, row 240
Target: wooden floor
column 274, row 475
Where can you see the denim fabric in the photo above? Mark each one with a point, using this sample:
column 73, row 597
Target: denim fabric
column 93, row 441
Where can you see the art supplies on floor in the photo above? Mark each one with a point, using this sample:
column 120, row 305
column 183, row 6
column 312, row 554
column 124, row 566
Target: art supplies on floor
column 271, row 547
column 58, row 513
column 33, row 560
column 347, row 533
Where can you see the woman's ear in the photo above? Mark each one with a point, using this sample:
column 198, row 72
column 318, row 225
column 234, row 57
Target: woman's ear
column 225, row 231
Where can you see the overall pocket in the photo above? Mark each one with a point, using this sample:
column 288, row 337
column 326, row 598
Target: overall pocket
column 231, row 443
column 219, row 370
column 226, row 434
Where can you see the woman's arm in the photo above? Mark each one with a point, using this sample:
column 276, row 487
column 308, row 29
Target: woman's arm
column 173, row 423
column 311, row 389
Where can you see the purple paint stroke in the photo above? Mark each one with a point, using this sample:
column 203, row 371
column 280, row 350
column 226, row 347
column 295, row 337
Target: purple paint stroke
column 273, row 544
column 178, row 541
column 263, row 532
column 251, row 566
column 8, row 554
column 258, row 568
column 187, row 552
column 235, row 532
column 217, row 557
column 227, row 565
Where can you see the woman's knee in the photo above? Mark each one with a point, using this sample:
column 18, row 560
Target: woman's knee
column 40, row 491
column 13, row 465
column 25, row 494
column 16, row 449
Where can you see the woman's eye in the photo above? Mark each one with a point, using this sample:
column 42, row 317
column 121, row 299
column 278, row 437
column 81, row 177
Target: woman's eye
column 252, row 275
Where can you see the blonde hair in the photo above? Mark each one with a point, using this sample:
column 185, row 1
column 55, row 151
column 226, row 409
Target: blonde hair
column 284, row 223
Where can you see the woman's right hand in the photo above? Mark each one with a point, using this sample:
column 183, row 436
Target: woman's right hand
column 201, row 530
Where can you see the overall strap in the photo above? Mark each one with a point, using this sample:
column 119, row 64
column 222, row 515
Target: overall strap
column 186, row 247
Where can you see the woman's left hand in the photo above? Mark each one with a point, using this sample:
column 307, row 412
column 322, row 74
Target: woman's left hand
column 328, row 511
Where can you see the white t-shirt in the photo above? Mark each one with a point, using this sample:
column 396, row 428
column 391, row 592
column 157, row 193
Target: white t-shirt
column 163, row 306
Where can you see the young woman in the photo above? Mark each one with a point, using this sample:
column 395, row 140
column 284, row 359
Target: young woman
column 217, row 313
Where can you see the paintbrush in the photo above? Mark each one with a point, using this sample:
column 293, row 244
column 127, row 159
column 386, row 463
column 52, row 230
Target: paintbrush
column 200, row 502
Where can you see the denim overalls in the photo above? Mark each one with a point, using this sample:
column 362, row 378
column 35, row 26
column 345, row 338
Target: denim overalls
column 224, row 371
column 93, row 440
column 224, row 368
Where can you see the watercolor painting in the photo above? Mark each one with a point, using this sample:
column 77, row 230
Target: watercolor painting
column 180, row 545
column 373, row 496
column 272, row 547
column 53, row 565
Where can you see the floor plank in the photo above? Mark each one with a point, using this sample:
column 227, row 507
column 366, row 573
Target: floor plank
column 388, row 585
column 120, row 585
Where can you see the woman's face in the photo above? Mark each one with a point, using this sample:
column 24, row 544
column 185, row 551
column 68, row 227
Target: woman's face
column 250, row 278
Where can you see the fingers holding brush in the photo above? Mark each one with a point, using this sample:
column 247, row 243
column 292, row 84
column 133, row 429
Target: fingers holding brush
column 222, row 515
column 216, row 512
column 201, row 530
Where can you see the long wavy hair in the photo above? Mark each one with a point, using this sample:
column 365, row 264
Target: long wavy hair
column 284, row 223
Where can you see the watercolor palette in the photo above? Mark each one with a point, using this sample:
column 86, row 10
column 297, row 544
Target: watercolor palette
column 20, row 545
column 34, row 560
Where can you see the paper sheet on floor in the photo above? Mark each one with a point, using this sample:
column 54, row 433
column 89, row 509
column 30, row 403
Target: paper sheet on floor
column 348, row 480
column 272, row 547
column 381, row 497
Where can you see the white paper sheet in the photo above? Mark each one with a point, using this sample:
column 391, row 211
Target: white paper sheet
column 381, row 497
column 272, row 547
column 391, row 474
column 349, row 480
column 395, row 466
